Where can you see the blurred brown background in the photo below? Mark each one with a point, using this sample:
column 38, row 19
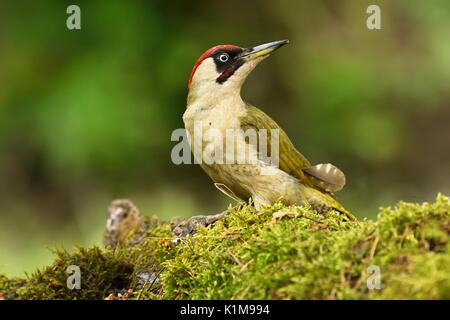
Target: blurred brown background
column 86, row 116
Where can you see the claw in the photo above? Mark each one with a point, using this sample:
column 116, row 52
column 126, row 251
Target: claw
column 181, row 229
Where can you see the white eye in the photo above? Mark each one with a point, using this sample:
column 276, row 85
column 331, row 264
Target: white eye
column 223, row 57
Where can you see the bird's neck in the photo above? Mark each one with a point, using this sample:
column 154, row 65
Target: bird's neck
column 208, row 99
column 214, row 107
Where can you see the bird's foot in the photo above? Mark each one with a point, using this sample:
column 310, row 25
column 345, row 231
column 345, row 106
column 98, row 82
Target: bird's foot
column 182, row 228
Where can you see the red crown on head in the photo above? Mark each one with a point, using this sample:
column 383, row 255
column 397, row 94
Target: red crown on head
column 208, row 53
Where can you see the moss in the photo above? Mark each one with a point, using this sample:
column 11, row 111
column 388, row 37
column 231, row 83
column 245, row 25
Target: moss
column 101, row 272
column 277, row 253
column 9, row 287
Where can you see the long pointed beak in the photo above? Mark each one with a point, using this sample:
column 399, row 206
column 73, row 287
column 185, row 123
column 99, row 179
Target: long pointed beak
column 262, row 50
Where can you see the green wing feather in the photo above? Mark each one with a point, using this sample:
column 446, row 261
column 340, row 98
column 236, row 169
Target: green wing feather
column 291, row 160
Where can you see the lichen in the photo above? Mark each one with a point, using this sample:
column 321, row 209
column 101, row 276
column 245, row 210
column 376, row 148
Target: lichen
column 276, row 253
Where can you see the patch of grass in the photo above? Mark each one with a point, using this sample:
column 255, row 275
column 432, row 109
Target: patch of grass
column 251, row 255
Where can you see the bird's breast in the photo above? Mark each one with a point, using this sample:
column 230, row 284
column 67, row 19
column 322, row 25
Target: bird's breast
column 212, row 123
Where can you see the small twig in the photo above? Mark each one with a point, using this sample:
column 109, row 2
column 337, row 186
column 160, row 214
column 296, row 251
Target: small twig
column 374, row 248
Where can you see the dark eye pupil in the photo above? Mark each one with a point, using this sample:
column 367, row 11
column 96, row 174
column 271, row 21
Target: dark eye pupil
column 223, row 57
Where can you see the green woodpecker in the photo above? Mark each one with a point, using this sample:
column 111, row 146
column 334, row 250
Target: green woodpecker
column 214, row 102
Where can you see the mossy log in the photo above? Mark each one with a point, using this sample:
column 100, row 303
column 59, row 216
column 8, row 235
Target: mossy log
column 276, row 253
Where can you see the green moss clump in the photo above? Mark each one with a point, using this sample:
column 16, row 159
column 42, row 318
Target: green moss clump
column 9, row 287
column 104, row 271
column 101, row 272
column 276, row 253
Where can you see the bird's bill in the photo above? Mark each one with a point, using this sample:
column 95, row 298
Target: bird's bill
column 263, row 49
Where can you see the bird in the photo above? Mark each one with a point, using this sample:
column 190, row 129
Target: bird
column 214, row 104
column 124, row 219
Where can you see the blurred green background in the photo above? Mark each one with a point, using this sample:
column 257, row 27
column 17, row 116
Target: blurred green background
column 86, row 116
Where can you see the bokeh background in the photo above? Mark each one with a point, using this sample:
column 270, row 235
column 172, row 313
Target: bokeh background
column 86, row 116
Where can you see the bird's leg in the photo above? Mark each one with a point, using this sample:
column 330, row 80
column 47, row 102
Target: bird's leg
column 185, row 227
column 181, row 229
